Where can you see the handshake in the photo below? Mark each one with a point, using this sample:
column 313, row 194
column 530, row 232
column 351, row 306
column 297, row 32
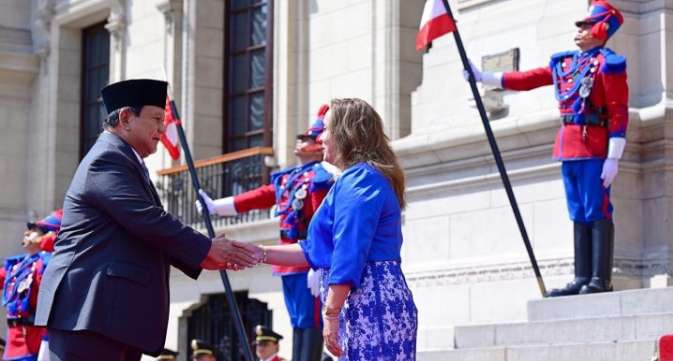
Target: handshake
column 228, row 254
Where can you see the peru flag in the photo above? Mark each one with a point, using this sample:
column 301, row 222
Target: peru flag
column 434, row 23
column 170, row 135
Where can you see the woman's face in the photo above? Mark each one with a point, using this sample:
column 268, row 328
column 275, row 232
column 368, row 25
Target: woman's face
column 327, row 140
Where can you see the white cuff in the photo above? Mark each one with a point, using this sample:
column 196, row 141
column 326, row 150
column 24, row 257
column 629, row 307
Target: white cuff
column 225, row 206
column 494, row 79
column 616, row 147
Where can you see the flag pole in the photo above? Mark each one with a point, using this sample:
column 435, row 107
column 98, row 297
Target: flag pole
column 496, row 154
column 231, row 301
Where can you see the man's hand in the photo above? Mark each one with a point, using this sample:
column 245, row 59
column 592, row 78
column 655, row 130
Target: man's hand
column 313, row 280
column 484, row 77
column 475, row 71
column 207, row 200
column 228, row 254
column 610, row 169
column 222, row 206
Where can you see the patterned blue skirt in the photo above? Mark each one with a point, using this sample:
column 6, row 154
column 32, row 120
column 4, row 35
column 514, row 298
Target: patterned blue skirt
column 379, row 320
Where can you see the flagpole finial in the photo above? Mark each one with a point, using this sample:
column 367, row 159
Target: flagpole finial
column 165, row 74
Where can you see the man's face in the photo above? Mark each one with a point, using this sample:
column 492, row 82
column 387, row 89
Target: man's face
column 306, row 149
column 31, row 237
column 205, row 358
column 303, row 142
column 143, row 131
column 266, row 349
column 584, row 40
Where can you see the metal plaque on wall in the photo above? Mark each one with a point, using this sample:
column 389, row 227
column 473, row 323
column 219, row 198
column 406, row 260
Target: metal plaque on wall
column 493, row 96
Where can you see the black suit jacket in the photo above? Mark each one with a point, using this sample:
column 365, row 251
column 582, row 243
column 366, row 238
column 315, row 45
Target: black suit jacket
column 110, row 268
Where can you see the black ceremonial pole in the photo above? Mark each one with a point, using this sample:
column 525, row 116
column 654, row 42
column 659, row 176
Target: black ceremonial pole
column 231, row 301
column 496, row 154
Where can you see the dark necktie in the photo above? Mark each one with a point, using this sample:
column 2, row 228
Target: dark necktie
column 146, row 172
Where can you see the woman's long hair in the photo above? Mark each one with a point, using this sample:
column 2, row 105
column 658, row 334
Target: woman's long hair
column 357, row 133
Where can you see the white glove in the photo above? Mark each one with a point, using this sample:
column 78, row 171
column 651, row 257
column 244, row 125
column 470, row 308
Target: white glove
column 475, row 71
column 611, row 165
column 484, row 77
column 206, row 199
column 610, row 169
column 222, row 206
column 313, row 281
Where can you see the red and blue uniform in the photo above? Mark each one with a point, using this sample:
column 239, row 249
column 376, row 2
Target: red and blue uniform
column 20, row 278
column 297, row 192
column 592, row 92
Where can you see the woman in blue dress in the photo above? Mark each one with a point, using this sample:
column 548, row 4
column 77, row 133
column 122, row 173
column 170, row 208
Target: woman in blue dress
column 354, row 242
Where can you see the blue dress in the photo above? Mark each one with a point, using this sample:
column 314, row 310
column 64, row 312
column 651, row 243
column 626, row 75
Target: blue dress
column 355, row 238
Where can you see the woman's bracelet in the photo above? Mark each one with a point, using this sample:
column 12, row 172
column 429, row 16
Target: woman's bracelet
column 265, row 255
column 331, row 312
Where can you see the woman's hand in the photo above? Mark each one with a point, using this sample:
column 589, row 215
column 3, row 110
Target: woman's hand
column 258, row 252
column 336, row 297
column 330, row 332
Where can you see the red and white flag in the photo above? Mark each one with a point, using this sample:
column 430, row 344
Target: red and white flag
column 435, row 22
column 170, row 135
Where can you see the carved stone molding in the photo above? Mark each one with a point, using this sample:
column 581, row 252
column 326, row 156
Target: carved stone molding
column 44, row 14
column 626, row 268
column 172, row 11
column 116, row 25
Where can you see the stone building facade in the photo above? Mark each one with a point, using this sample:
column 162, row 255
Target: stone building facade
column 463, row 255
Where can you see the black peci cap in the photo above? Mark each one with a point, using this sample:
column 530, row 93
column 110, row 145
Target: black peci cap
column 134, row 93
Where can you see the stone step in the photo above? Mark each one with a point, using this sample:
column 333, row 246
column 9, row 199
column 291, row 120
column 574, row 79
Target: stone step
column 601, row 329
column 597, row 351
column 610, row 304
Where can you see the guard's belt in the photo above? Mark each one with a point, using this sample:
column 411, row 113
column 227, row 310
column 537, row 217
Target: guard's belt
column 585, row 119
column 14, row 322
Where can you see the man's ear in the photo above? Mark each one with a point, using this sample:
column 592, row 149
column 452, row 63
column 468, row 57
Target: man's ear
column 124, row 117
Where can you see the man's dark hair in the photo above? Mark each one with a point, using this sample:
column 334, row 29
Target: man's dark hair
column 112, row 119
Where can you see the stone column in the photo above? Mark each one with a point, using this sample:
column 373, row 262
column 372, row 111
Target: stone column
column 172, row 11
column 41, row 26
column 397, row 67
column 116, row 25
column 291, row 69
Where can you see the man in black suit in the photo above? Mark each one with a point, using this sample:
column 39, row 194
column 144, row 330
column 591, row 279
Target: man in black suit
column 105, row 293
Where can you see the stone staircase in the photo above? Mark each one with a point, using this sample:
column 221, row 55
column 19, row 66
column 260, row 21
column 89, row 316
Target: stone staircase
column 617, row 326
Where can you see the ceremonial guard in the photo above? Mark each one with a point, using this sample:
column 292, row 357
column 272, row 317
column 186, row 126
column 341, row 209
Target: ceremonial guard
column 297, row 192
column 167, row 355
column 592, row 91
column 202, row 351
column 20, row 278
column 266, row 344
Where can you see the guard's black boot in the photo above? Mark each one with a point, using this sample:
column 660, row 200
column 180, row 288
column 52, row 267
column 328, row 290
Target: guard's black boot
column 297, row 339
column 311, row 345
column 582, row 245
column 603, row 245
